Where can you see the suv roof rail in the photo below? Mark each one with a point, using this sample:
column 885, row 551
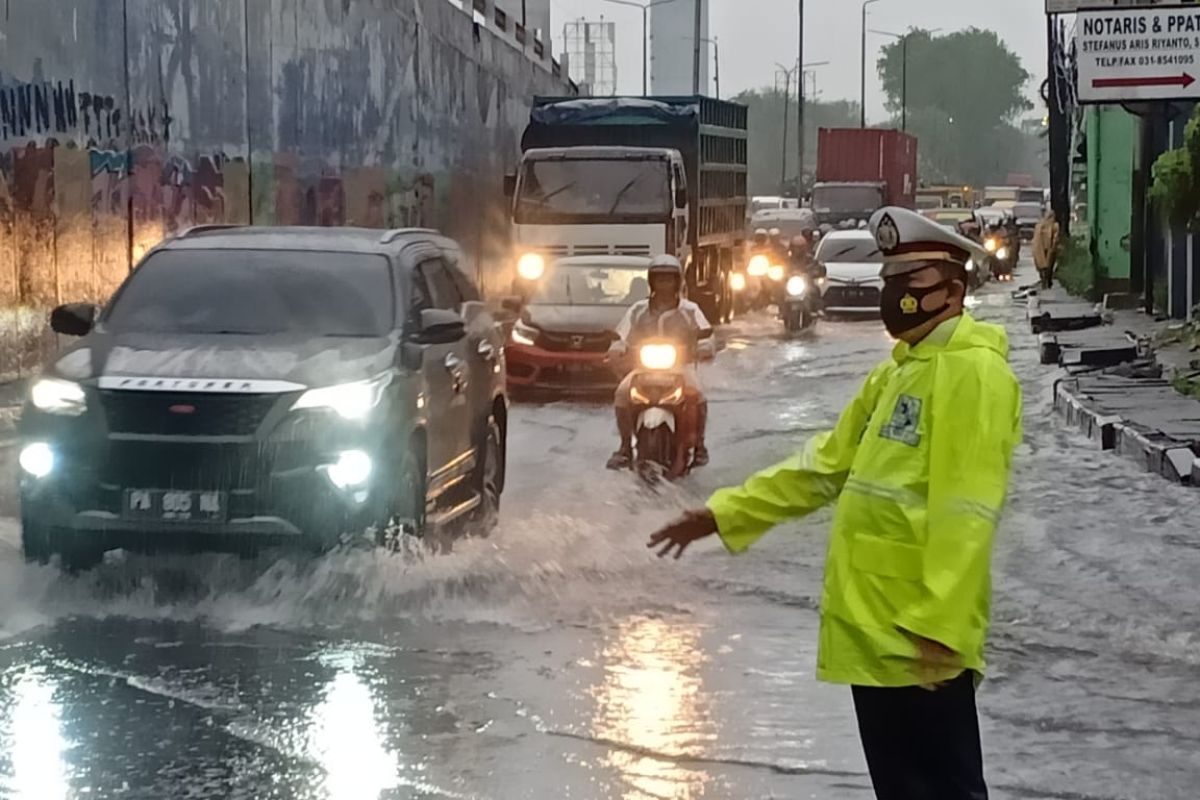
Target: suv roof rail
column 195, row 229
column 395, row 233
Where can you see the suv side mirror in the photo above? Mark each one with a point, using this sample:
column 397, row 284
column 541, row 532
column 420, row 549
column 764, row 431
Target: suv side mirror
column 681, row 198
column 74, row 319
column 510, row 185
column 439, row 326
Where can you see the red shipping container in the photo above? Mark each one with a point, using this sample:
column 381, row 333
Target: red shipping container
column 870, row 155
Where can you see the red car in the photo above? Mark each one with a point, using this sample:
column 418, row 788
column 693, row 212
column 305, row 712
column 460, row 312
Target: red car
column 561, row 342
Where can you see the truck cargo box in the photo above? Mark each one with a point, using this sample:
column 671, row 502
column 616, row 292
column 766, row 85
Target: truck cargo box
column 869, row 155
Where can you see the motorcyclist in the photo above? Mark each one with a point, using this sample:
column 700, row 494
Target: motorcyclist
column 665, row 314
column 761, row 239
column 801, row 259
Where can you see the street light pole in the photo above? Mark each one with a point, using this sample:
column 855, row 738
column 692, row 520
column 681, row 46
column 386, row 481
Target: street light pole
column 697, row 30
column 645, row 9
column 863, row 65
column 800, row 110
column 903, row 37
column 787, row 98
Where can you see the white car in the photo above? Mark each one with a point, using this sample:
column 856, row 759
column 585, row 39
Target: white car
column 852, row 263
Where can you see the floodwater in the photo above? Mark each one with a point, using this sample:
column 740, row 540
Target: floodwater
column 558, row 658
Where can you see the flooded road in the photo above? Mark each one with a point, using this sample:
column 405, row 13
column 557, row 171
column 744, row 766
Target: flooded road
column 557, row 658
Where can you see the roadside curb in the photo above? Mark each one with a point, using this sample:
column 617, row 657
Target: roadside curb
column 1154, row 451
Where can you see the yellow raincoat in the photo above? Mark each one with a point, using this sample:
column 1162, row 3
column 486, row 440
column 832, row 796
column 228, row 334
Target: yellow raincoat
column 919, row 463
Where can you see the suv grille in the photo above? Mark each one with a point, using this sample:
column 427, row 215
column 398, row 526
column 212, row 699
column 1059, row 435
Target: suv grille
column 186, row 413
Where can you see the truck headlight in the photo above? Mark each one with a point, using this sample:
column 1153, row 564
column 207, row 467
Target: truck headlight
column 524, row 334
column 531, row 266
column 659, row 356
column 759, row 265
column 56, row 396
column 797, row 286
column 775, row 272
column 353, row 401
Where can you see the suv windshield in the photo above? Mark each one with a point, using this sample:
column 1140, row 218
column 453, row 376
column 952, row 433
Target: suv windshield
column 257, row 292
column 578, row 190
column 592, row 285
column 847, row 198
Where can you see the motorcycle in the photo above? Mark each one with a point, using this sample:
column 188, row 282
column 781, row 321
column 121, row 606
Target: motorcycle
column 665, row 426
column 800, row 304
column 1002, row 257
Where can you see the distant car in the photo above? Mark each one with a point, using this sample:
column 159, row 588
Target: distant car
column 1028, row 215
column 950, row 217
column 561, row 342
column 248, row 387
column 852, row 262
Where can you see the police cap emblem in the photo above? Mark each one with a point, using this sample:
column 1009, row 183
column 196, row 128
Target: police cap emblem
column 887, row 235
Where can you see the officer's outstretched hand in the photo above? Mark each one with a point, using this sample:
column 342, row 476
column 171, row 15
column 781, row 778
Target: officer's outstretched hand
column 679, row 534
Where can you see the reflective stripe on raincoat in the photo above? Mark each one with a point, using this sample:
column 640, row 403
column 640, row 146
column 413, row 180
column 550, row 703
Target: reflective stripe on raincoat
column 919, row 463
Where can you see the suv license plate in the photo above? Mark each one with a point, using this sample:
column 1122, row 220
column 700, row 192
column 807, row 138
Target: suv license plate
column 172, row 505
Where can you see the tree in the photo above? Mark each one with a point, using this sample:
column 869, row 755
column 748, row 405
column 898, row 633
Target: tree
column 964, row 93
column 766, row 147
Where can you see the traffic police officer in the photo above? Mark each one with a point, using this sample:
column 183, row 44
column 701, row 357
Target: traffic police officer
column 919, row 465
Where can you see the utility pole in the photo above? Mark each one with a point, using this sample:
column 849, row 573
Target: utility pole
column 645, row 9
column 863, row 64
column 697, row 31
column 787, row 99
column 800, row 111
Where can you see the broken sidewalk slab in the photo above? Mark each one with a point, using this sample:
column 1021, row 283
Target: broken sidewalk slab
column 1094, row 347
column 1064, row 317
column 1141, row 418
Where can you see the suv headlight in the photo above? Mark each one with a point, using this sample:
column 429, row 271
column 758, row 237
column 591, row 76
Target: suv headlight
column 56, row 396
column 349, row 400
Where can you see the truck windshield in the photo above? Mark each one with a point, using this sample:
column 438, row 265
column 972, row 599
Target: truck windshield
column 847, row 198
column 594, row 190
column 592, row 285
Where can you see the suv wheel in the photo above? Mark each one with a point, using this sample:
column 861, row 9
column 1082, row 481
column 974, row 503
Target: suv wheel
column 406, row 512
column 489, row 477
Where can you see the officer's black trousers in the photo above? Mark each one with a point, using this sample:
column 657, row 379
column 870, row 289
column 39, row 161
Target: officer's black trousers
column 922, row 745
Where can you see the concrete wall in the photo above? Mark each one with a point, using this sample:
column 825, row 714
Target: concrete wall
column 124, row 120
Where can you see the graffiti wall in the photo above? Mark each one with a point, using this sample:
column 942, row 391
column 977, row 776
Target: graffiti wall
column 121, row 122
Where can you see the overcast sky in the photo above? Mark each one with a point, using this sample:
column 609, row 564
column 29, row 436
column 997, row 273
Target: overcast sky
column 754, row 34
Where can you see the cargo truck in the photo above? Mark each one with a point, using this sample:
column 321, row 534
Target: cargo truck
column 628, row 176
column 861, row 169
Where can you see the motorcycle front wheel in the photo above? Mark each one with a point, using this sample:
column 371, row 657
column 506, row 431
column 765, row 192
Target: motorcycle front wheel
column 656, row 446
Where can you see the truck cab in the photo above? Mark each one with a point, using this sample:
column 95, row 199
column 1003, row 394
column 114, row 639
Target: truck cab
column 847, row 202
column 597, row 201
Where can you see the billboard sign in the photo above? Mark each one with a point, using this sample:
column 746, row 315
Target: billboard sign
column 1138, row 54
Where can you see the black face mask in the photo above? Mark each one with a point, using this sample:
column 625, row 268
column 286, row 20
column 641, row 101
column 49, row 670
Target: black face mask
column 900, row 306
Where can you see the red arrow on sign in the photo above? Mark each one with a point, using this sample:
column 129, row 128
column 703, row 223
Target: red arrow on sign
column 1182, row 81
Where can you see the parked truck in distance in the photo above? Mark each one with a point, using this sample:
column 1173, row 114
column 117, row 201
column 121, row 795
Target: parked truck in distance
column 634, row 176
column 861, row 169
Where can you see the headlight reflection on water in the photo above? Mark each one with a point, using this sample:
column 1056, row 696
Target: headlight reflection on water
column 651, row 699
column 346, row 739
column 34, row 741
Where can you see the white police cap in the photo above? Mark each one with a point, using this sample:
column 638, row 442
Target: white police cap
column 909, row 242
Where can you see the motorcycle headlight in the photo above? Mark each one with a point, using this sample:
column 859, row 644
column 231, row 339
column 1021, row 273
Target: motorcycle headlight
column 737, row 282
column 775, row 272
column 56, row 396
column 797, row 286
column 759, row 265
column 524, row 334
column 1002, row 253
column 991, row 245
column 531, row 266
column 353, row 401
column 970, row 265
column 659, row 356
